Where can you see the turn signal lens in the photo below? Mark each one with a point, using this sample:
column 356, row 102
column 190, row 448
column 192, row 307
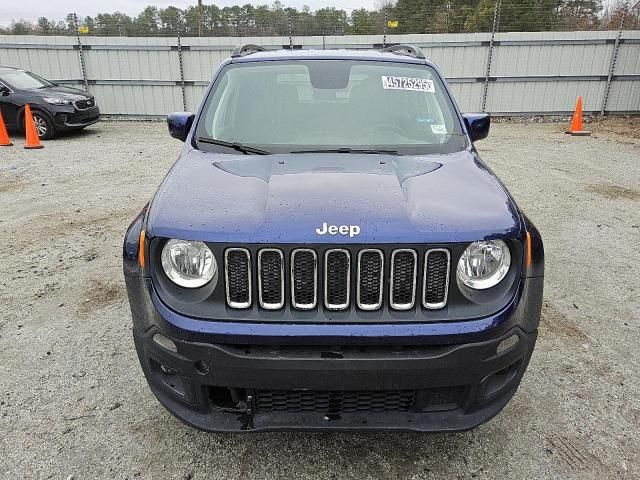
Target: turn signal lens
column 141, row 249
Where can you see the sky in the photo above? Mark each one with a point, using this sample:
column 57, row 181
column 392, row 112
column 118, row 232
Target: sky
column 58, row 9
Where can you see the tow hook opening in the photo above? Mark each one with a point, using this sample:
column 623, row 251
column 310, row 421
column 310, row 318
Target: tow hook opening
column 230, row 399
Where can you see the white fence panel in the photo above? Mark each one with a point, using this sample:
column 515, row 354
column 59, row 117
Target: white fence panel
column 530, row 73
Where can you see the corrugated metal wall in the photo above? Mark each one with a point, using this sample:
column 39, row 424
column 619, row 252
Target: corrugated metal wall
column 530, row 73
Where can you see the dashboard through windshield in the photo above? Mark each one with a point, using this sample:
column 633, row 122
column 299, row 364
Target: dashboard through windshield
column 332, row 105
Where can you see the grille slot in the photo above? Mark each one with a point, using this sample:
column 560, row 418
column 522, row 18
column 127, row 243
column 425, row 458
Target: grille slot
column 337, row 279
column 436, row 278
column 304, row 279
column 271, row 278
column 370, row 271
column 404, row 264
column 237, row 273
column 334, row 402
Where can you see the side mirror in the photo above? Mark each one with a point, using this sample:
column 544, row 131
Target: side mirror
column 179, row 124
column 477, row 125
column 4, row 90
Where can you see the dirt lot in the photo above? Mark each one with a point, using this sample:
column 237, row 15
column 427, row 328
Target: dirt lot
column 73, row 400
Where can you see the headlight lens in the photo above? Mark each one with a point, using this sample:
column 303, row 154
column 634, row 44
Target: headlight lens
column 484, row 264
column 57, row 101
column 188, row 264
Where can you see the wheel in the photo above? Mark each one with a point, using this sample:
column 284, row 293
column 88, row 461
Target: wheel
column 44, row 125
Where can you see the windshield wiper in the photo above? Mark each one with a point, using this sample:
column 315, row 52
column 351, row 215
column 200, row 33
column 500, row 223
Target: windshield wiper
column 372, row 151
column 247, row 150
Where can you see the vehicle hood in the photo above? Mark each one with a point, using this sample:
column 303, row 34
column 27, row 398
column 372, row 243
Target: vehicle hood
column 59, row 91
column 285, row 198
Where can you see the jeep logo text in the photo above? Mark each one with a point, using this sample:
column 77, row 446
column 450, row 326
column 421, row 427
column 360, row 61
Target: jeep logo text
column 351, row 230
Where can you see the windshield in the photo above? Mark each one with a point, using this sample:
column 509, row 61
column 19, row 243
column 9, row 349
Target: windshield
column 24, row 80
column 289, row 106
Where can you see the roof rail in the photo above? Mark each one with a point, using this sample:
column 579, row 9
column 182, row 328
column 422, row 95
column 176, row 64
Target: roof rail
column 409, row 50
column 246, row 50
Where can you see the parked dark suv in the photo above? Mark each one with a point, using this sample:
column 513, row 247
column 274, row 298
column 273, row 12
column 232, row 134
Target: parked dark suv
column 330, row 252
column 55, row 108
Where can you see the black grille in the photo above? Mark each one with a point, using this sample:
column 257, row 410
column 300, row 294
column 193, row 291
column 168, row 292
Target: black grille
column 334, row 402
column 238, row 278
column 436, row 278
column 370, row 264
column 327, row 274
column 271, row 276
column 84, row 104
column 304, row 274
column 337, row 279
column 442, row 398
column 403, row 279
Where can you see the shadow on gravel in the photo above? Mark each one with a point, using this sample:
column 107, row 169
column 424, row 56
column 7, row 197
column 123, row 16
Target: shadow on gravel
column 332, row 455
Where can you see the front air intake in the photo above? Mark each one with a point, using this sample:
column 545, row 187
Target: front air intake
column 304, row 279
column 237, row 274
column 436, row 278
column 404, row 264
column 271, row 278
column 337, row 279
column 370, row 279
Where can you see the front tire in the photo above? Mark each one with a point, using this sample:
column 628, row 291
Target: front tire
column 44, row 125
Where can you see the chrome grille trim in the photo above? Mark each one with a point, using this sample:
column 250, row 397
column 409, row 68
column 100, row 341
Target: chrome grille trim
column 226, row 278
column 392, row 302
column 263, row 304
column 378, row 304
column 337, row 306
column 304, row 306
column 436, row 306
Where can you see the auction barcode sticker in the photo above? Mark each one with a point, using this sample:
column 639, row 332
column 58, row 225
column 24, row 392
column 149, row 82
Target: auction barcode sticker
column 406, row 83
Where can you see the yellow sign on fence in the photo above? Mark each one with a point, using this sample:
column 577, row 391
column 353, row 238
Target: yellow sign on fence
column 392, row 23
column 83, row 29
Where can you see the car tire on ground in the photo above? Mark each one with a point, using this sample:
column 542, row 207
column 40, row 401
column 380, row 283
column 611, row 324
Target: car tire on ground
column 44, row 125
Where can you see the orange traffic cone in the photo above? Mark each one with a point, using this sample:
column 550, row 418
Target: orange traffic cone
column 576, row 127
column 31, row 134
column 4, row 136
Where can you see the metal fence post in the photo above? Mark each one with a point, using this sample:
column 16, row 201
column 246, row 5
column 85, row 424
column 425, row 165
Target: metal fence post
column 290, row 32
column 83, row 68
column 485, row 89
column 384, row 38
column 612, row 63
column 184, row 97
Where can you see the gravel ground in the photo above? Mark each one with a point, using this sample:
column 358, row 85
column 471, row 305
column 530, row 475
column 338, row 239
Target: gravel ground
column 73, row 400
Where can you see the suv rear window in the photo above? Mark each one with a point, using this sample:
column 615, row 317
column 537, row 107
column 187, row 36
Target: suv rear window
column 285, row 106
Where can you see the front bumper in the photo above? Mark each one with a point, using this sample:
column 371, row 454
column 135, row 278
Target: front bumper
column 72, row 118
column 256, row 388
column 231, row 377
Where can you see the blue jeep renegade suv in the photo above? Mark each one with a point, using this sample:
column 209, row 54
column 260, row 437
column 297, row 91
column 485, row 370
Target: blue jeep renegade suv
column 330, row 252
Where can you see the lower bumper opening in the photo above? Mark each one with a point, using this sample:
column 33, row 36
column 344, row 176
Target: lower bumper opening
column 336, row 402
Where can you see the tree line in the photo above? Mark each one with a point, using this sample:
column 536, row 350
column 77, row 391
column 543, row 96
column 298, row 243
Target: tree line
column 400, row 16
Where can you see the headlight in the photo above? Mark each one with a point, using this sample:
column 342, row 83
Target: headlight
column 188, row 264
column 57, row 101
column 484, row 264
